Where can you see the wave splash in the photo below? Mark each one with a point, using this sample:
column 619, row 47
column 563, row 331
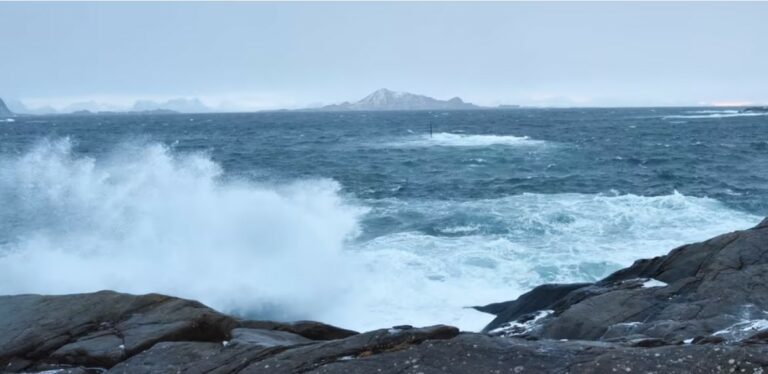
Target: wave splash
column 144, row 219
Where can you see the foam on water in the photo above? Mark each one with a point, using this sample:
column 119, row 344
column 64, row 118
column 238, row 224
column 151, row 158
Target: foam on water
column 446, row 139
column 148, row 219
column 704, row 114
column 512, row 244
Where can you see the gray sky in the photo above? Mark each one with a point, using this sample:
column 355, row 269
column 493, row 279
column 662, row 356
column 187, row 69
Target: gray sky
column 237, row 56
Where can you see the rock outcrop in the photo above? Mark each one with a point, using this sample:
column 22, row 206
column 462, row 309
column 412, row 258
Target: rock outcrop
column 699, row 309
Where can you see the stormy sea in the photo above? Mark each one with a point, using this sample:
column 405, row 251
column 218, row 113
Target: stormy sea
column 366, row 219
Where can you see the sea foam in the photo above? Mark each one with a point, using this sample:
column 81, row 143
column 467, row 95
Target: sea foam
column 714, row 114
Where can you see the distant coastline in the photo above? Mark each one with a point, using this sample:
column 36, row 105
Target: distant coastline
column 381, row 100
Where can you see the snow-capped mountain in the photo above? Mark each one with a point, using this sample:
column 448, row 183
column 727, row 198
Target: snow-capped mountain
column 384, row 99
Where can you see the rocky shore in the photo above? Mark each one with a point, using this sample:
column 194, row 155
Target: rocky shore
column 702, row 308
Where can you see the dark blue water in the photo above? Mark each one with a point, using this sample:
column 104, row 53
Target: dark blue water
column 491, row 203
column 636, row 151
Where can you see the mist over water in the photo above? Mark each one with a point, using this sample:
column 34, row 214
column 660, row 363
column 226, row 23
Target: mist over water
column 355, row 220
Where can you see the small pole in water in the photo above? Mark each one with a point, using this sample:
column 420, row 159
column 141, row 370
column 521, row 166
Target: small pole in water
column 430, row 129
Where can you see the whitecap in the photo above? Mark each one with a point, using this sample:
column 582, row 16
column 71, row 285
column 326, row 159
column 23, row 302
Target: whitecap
column 713, row 114
column 445, row 139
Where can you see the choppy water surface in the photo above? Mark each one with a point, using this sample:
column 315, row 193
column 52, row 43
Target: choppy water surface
column 364, row 219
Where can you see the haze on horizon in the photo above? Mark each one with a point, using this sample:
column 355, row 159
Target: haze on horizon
column 253, row 56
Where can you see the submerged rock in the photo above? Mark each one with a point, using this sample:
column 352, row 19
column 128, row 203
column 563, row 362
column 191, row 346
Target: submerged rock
column 704, row 313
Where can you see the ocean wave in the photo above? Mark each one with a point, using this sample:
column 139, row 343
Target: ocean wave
column 446, row 139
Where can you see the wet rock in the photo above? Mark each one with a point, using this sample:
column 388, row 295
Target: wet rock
column 308, row 329
column 311, row 357
column 711, row 339
column 266, row 338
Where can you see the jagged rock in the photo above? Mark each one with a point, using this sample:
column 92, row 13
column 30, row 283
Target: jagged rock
column 696, row 290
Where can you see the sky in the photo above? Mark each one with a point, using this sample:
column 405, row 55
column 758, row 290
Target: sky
column 250, row 56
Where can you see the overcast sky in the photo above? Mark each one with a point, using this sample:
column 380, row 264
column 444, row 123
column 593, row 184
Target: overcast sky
column 241, row 56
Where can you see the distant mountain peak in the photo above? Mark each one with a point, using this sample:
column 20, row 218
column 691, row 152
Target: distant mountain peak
column 4, row 111
column 386, row 99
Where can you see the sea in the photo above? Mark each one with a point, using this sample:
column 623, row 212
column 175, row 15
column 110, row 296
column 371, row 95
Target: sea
column 366, row 219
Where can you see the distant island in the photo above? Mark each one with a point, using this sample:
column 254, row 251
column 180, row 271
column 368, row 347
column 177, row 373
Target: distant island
column 380, row 100
column 113, row 113
column 139, row 107
column 384, row 99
